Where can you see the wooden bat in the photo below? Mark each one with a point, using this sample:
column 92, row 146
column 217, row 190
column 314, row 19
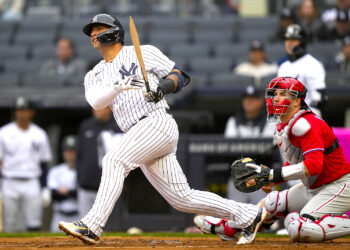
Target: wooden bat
column 136, row 43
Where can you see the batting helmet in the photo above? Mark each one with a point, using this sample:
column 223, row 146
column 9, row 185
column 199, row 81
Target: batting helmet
column 292, row 85
column 295, row 31
column 114, row 35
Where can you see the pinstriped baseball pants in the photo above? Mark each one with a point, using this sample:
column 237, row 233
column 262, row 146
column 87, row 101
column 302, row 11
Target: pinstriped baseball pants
column 151, row 144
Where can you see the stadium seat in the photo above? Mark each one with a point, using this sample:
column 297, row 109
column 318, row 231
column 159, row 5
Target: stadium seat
column 75, row 24
column 167, row 38
column 227, row 79
column 123, row 8
column 198, row 80
column 43, row 52
column 215, row 23
column 189, row 50
column 266, row 79
column 9, row 80
column 21, row 67
column 214, row 38
column 181, row 62
column 76, row 80
column 7, row 25
column 13, row 52
column 37, row 25
column 238, row 52
column 210, row 65
column 38, row 80
column 7, row 29
column 34, row 38
column 78, row 37
column 324, row 51
column 160, row 24
column 6, row 37
column 86, row 52
column 248, row 23
column 248, row 35
column 274, row 51
column 336, row 79
column 88, row 10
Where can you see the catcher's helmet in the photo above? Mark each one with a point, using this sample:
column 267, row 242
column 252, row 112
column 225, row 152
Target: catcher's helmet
column 114, row 35
column 292, row 85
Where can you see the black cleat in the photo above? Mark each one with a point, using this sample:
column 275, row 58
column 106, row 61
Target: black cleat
column 80, row 230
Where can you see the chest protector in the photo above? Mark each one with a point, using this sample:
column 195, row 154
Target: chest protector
column 292, row 154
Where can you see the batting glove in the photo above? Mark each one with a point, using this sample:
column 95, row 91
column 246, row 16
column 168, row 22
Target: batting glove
column 132, row 82
column 154, row 95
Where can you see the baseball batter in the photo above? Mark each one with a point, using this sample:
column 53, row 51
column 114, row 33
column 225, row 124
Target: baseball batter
column 314, row 209
column 151, row 133
column 24, row 153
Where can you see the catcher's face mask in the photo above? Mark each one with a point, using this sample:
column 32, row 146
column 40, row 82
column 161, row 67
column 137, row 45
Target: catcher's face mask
column 279, row 93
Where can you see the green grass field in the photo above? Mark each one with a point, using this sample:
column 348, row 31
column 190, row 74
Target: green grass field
column 123, row 234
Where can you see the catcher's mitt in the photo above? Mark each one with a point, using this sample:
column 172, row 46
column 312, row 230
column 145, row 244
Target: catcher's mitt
column 247, row 179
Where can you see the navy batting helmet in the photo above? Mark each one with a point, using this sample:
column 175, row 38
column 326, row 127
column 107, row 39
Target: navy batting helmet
column 114, row 35
column 295, row 31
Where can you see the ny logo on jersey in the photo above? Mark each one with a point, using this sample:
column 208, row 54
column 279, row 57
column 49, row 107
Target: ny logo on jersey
column 129, row 72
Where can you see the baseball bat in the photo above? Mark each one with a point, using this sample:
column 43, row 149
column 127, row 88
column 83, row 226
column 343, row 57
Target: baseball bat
column 136, row 43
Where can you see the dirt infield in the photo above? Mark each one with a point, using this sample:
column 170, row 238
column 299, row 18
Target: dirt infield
column 141, row 242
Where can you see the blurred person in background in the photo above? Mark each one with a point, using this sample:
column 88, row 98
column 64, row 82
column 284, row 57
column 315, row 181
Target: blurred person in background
column 24, row 157
column 250, row 122
column 287, row 17
column 341, row 28
column 11, row 9
column 257, row 66
column 329, row 16
column 228, row 7
column 65, row 63
column 90, row 153
column 309, row 19
column 62, row 182
column 341, row 61
column 304, row 67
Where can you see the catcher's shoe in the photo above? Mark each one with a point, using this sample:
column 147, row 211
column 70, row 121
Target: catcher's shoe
column 212, row 225
column 249, row 233
column 80, row 230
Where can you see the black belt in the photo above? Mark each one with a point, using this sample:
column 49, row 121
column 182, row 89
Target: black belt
column 18, row 178
column 68, row 213
column 333, row 147
column 166, row 111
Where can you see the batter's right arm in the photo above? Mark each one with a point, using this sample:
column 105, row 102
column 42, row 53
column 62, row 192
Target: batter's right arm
column 100, row 98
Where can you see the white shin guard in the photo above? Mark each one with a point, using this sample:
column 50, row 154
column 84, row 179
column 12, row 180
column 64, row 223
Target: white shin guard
column 301, row 229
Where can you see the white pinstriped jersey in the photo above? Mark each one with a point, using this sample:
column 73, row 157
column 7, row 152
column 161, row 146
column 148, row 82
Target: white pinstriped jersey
column 21, row 151
column 129, row 106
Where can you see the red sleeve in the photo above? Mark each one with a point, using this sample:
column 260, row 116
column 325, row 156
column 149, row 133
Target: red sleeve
column 312, row 146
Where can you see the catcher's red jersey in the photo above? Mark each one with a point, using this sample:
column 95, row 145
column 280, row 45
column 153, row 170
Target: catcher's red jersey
column 313, row 144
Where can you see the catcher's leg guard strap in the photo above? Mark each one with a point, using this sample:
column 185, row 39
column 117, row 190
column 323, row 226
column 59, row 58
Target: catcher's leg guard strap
column 301, row 229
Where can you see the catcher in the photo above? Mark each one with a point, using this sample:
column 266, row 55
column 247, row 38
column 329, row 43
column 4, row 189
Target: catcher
column 314, row 210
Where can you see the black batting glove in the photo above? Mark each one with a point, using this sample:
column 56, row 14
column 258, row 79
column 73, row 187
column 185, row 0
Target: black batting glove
column 154, row 95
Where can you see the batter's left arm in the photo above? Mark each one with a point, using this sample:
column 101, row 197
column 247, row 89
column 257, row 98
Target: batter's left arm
column 172, row 83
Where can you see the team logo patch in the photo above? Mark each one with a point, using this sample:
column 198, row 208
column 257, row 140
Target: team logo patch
column 125, row 73
column 250, row 182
